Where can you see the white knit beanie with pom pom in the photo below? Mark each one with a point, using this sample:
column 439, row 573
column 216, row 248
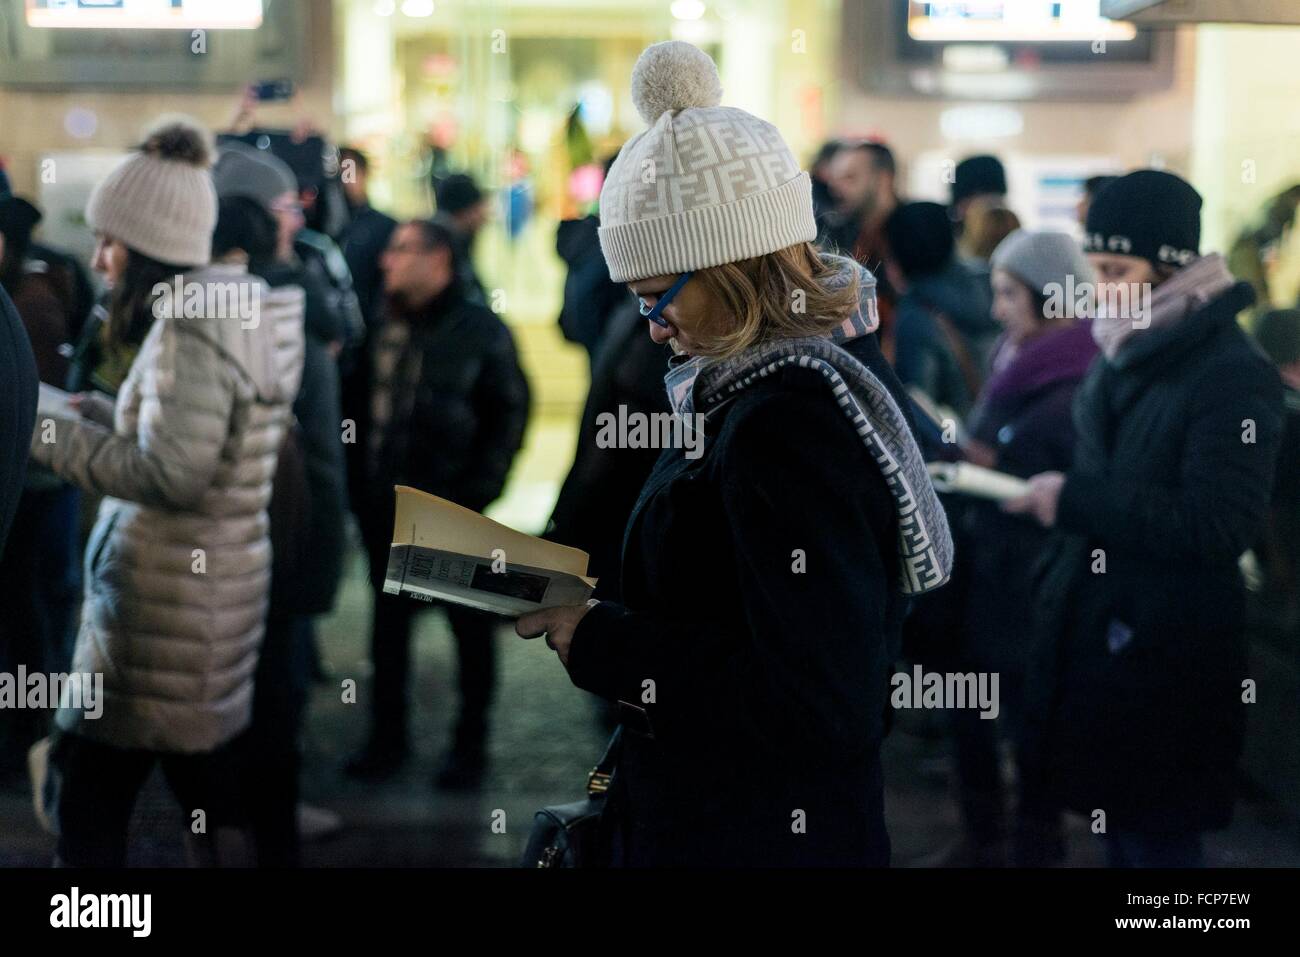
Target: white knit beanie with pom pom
column 160, row 200
column 705, row 184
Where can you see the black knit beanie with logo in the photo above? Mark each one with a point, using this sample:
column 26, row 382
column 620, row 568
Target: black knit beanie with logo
column 1149, row 213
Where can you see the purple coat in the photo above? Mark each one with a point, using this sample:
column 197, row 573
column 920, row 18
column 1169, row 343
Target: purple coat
column 1024, row 410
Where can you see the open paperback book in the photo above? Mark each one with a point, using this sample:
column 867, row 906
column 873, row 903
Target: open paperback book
column 964, row 478
column 445, row 551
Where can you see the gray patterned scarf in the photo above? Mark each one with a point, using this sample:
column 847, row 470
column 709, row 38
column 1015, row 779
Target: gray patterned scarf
column 924, row 541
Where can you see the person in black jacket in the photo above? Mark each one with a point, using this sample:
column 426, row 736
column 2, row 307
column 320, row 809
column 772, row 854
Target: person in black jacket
column 1139, row 682
column 308, row 500
column 17, row 410
column 448, row 408
column 768, row 560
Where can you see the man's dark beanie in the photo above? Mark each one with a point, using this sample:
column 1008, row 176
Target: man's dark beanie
column 457, row 192
column 1151, row 214
column 1278, row 334
column 920, row 238
column 978, row 174
column 18, row 218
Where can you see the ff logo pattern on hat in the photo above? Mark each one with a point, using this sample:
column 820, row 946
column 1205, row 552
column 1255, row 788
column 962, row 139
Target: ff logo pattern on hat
column 705, row 185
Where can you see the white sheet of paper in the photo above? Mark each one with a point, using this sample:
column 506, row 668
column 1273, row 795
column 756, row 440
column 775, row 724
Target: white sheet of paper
column 52, row 401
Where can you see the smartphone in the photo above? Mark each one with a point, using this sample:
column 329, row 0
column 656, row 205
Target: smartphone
column 271, row 90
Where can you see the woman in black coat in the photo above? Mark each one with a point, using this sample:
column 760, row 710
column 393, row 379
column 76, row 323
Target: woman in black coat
column 765, row 572
column 1139, row 694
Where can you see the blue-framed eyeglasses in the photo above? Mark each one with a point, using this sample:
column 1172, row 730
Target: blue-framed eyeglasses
column 653, row 313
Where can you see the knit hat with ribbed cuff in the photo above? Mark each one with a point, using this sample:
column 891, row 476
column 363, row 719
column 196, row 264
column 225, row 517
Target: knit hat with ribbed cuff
column 705, row 185
column 160, row 200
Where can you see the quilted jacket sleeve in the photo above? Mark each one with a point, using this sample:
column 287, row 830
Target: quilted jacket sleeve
column 187, row 393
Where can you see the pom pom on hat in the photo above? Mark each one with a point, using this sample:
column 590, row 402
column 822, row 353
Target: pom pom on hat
column 179, row 139
column 674, row 75
column 685, row 219
column 160, row 200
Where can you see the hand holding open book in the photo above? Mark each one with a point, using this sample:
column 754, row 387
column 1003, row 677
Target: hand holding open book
column 441, row 550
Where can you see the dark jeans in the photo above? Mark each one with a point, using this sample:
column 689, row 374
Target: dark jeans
column 280, row 692
column 97, row 788
column 390, row 652
column 1140, row 849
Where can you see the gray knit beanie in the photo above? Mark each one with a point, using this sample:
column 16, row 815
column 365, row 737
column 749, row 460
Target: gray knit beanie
column 705, row 185
column 160, row 200
column 254, row 174
column 1041, row 259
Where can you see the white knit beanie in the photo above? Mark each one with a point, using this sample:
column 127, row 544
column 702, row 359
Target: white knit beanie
column 160, row 200
column 705, row 185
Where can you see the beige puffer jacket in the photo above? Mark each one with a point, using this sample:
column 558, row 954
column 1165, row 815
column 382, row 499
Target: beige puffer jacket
column 178, row 566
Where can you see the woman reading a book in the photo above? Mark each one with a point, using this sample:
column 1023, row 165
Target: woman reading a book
column 764, row 581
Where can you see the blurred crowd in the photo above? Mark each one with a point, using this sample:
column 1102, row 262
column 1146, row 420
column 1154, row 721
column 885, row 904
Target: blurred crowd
column 378, row 361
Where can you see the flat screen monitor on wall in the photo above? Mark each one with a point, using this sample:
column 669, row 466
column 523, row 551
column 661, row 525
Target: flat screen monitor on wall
column 1046, row 31
column 145, row 14
column 150, row 44
column 1001, row 50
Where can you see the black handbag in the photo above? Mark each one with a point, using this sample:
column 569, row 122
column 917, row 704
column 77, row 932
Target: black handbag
column 571, row 835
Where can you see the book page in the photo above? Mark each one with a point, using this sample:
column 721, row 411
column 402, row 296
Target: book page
column 431, row 522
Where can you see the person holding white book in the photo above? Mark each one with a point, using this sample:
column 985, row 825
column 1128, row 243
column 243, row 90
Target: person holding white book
column 764, row 581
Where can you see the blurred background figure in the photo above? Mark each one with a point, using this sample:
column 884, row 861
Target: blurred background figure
column 308, row 502
column 590, row 298
column 1136, row 703
column 862, row 178
column 463, row 209
column 977, row 180
column 1020, row 425
column 1278, row 334
column 986, row 227
column 823, row 192
column 1091, row 187
column 448, row 406
column 17, row 418
column 39, row 571
column 365, row 237
column 943, row 331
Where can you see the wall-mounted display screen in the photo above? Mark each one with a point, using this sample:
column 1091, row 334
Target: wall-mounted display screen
column 1013, row 21
column 146, row 14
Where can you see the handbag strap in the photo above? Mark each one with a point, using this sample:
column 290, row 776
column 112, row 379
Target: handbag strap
column 599, row 777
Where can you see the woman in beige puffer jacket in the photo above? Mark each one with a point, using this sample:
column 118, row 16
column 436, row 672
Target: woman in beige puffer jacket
column 178, row 565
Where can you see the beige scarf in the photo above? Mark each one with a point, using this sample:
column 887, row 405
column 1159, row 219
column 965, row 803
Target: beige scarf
column 1172, row 301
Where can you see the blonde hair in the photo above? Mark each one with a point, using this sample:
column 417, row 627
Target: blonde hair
column 781, row 295
column 986, row 227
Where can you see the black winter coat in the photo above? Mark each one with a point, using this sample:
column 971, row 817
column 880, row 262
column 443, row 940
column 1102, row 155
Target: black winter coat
column 467, row 419
column 309, row 585
column 17, row 410
column 770, row 685
column 1138, row 676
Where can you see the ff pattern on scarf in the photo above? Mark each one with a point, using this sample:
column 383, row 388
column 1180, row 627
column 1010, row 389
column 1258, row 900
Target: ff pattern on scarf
column 924, row 541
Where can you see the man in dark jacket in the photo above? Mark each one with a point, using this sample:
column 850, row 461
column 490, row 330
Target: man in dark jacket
column 1138, row 706
column 365, row 237
column 448, row 408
